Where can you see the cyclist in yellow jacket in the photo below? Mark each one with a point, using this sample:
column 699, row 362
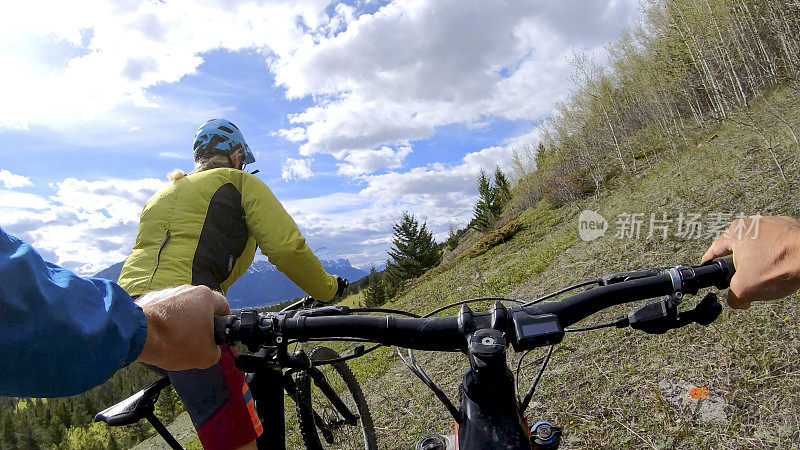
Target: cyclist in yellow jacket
column 203, row 229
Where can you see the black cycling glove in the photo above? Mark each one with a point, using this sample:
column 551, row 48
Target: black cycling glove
column 342, row 286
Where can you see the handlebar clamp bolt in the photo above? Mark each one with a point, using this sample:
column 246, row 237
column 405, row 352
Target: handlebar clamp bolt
column 279, row 340
column 678, row 295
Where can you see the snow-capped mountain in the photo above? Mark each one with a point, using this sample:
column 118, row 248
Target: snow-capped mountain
column 263, row 284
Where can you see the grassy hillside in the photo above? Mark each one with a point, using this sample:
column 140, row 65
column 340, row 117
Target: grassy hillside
column 603, row 386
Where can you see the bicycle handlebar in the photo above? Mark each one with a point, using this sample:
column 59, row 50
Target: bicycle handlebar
column 524, row 326
column 686, row 280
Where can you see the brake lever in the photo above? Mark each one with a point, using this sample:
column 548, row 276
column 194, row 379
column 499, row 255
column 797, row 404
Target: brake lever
column 707, row 311
column 654, row 317
column 660, row 316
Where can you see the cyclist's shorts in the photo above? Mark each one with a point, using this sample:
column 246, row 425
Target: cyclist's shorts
column 219, row 403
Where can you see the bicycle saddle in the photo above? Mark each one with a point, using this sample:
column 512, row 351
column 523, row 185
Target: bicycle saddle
column 133, row 408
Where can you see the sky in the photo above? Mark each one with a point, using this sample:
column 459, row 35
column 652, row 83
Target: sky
column 356, row 111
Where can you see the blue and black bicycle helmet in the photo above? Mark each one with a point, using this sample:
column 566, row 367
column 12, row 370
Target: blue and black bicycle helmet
column 220, row 137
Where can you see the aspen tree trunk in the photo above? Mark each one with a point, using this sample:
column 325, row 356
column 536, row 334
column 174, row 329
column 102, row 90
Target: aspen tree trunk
column 697, row 113
column 717, row 101
column 750, row 20
column 726, row 57
column 694, row 60
column 614, row 136
column 755, row 70
column 790, row 35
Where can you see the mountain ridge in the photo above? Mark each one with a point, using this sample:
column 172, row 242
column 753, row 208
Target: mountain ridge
column 263, row 284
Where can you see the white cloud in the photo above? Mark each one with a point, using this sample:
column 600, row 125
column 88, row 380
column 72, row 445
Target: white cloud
column 296, row 169
column 358, row 226
column 172, row 155
column 375, row 79
column 21, row 200
column 13, row 181
column 373, row 84
column 296, row 134
column 359, row 162
column 417, row 64
column 84, row 58
column 85, row 225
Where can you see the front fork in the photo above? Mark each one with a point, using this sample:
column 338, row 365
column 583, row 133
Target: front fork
column 544, row 436
column 489, row 411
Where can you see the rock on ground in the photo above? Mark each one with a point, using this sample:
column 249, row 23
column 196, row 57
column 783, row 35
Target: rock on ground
column 706, row 408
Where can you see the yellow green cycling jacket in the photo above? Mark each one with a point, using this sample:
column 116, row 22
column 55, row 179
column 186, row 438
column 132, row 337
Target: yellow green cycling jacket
column 203, row 229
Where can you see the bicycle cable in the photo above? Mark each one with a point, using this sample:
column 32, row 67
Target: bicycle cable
column 417, row 370
column 347, row 357
column 385, row 310
column 334, row 339
column 529, row 395
column 561, row 291
column 520, row 367
column 471, row 300
column 613, row 323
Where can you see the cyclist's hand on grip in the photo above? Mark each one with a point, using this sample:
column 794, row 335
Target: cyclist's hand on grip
column 342, row 285
column 766, row 254
column 180, row 329
column 311, row 302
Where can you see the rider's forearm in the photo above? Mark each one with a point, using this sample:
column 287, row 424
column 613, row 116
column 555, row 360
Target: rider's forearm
column 60, row 334
column 281, row 241
column 305, row 270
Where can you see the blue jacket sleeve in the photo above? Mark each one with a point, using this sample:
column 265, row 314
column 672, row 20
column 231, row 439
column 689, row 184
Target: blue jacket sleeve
column 60, row 334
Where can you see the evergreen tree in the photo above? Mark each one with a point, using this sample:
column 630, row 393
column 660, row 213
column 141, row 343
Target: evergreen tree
column 493, row 196
column 169, row 405
column 413, row 252
column 484, row 218
column 375, row 293
column 7, row 437
column 391, row 280
column 452, row 239
column 502, row 191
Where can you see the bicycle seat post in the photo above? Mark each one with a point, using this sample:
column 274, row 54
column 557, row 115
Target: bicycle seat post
column 162, row 430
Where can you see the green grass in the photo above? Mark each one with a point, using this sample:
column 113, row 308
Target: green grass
column 353, row 301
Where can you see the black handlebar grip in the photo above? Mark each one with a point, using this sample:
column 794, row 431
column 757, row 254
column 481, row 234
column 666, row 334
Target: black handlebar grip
column 726, row 262
column 220, row 329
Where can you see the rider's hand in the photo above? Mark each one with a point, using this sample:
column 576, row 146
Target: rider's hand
column 310, row 302
column 180, row 327
column 342, row 285
column 768, row 266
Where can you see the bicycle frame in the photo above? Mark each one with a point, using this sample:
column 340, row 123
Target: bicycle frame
column 268, row 381
column 267, row 384
column 489, row 408
column 490, row 414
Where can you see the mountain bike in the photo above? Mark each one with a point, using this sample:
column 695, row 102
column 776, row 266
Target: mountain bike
column 491, row 414
column 330, row 406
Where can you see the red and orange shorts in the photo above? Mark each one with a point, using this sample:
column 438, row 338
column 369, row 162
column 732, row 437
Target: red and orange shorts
column 219, row 402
